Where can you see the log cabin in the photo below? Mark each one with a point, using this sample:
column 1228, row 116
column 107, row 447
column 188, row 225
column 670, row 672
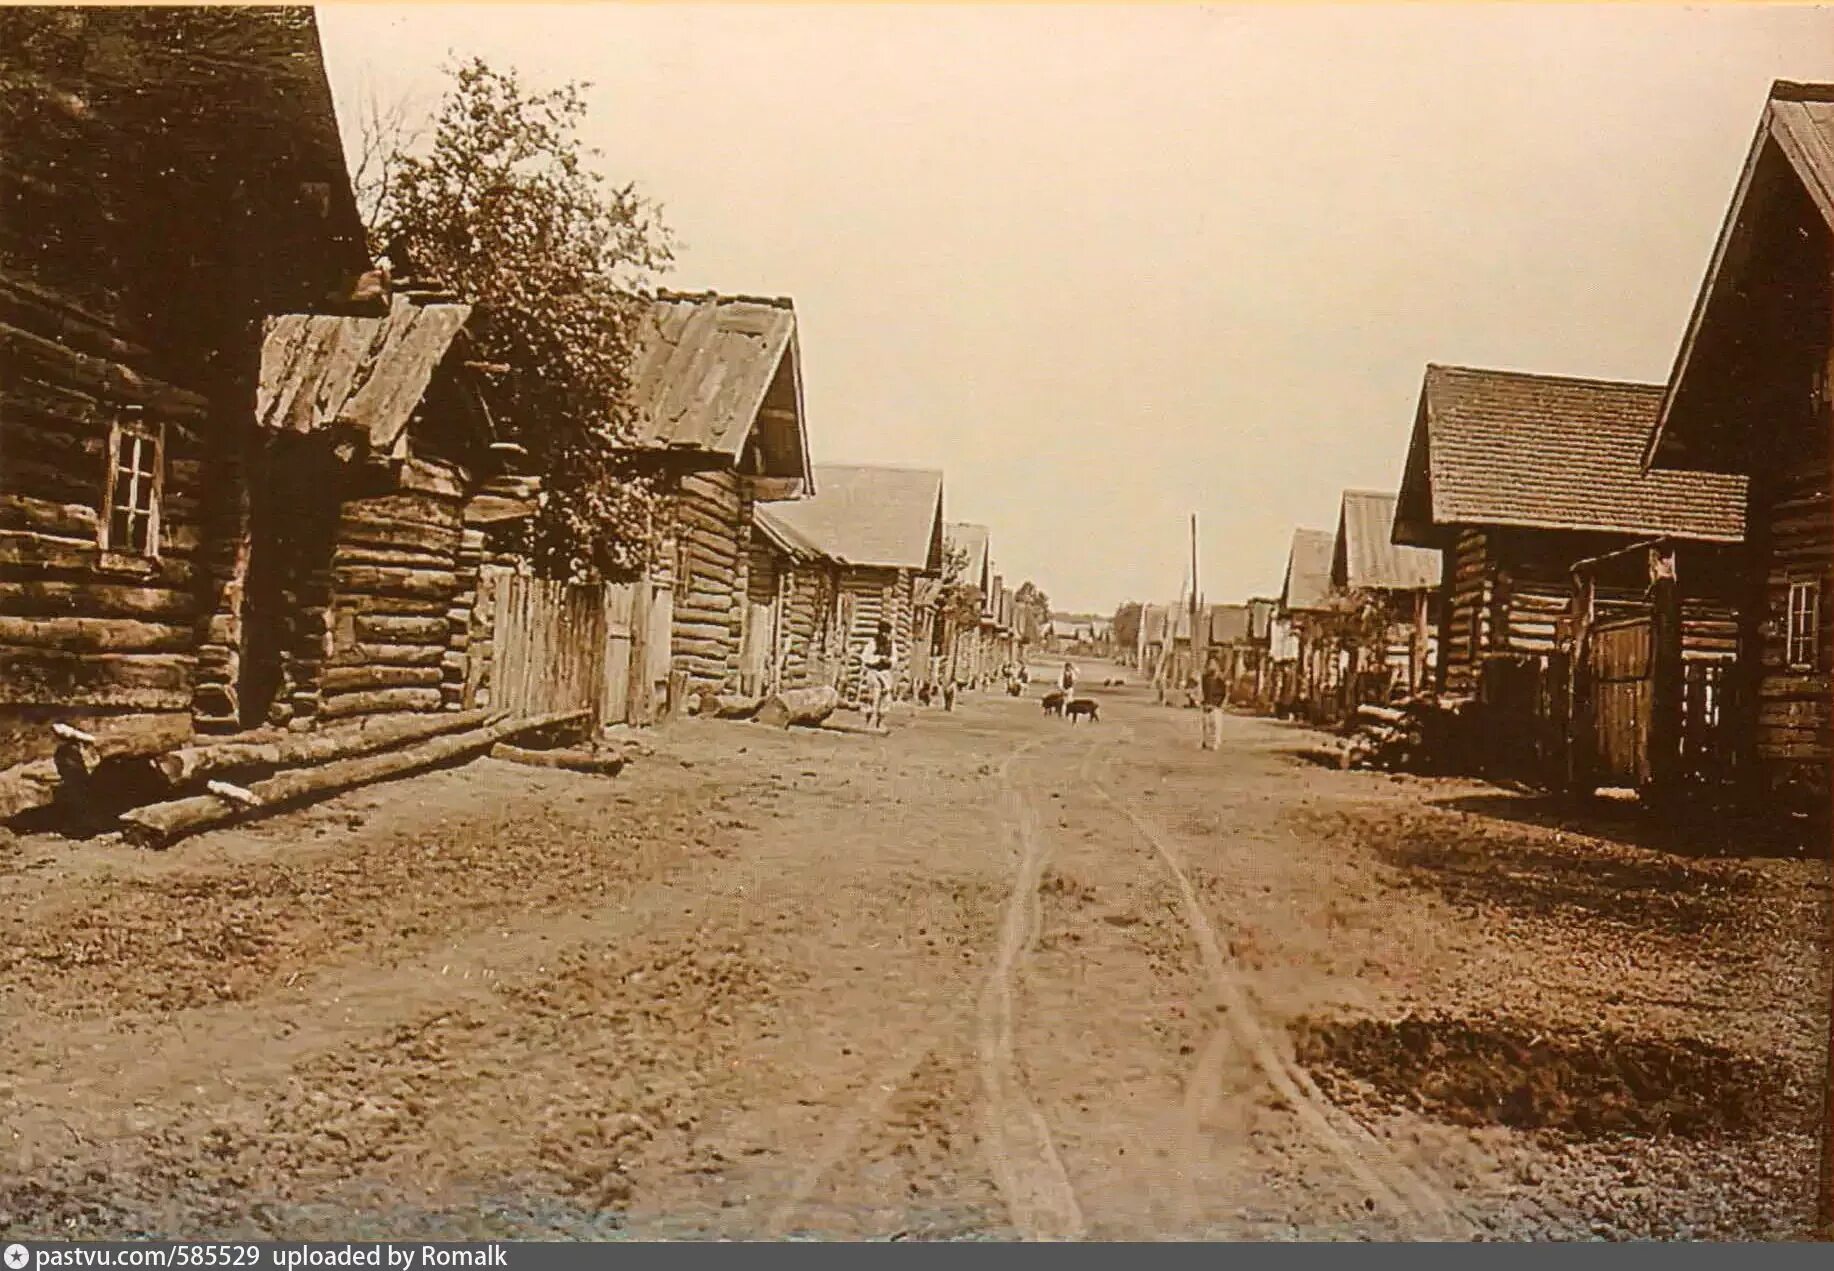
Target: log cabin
column 1261, row 613
column 969, row 655
column 1307, row 606
column 811, row 648
column 1400, row 586
column 356, row 598
column 1228, row 638
column 717, row 397
column 882, row 528
column 170, row 177
column 1752, row 395
column 1006, row 628
column 1519, row 478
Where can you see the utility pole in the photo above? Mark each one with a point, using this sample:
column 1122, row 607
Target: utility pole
column 1196, row 657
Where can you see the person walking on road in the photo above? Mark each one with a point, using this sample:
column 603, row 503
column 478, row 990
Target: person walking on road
column 879, row 658
column 1215, row 693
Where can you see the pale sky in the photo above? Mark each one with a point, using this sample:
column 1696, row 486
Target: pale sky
column 1109, row 266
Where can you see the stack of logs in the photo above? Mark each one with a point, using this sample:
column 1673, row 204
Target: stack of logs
column 1420, row 734
column 164, row 796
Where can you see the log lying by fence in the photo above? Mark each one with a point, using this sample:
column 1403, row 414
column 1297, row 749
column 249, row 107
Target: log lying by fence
column 806, row 706
column 569, row 759
column 180, row 767
column 717, row 705
column 162, row 824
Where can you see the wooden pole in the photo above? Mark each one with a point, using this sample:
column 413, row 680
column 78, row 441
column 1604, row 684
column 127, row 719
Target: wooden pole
column 1581, row 740
column 1666, row 672
column 1196, row 606
column 1416, row 653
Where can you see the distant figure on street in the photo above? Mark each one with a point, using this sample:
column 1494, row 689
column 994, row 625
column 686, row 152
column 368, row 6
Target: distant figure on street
column 1067, row 682
column 879, row 657
column 1215, row 693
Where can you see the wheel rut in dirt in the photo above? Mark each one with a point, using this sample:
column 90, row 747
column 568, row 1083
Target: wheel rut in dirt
column 1021, row 1153
column 1402, row 1192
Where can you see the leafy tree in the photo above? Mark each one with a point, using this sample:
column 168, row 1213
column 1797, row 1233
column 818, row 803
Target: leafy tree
column 501, row 205
column 1127, row 625
column 1034, row 611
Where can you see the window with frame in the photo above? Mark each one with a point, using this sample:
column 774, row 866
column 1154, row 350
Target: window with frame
column 136, row 480
column 1800, row 642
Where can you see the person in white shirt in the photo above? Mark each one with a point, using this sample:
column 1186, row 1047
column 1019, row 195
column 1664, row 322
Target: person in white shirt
column 878, row 657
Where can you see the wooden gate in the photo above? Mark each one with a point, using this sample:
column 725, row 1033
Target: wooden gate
column 547, row 646
column 570, row 646
column 1622, row 655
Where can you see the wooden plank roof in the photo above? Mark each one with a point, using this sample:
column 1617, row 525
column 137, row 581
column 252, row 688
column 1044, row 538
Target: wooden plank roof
column 1308, row 572
column 1365, row 555
column 869, row 516
column 369, row 373
column 710, row 369
column 1794, row 142
column 1550, row 452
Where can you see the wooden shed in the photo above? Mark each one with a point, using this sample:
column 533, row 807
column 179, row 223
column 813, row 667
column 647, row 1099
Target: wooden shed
column 1752, row 394
column 881, row 527
column 1518, row 478
column 170, row 178
column 717, row 391
column 355, row 598
column 811, row 643
column 1398, row 588
column 1306, row 607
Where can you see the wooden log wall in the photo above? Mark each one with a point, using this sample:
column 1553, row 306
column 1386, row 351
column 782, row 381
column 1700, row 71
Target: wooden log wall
column 712, row 520
column 1794, row 730
column 1469, row 579
column 803, row 603
column 105, row 638
column 399, row 605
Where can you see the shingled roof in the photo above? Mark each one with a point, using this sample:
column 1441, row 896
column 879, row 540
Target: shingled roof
column 1366, row 556
column 1308, row 572
column 1550, row 452
column 368, row 373
column 1793, row 147
column 710, row 369
column 869, row 516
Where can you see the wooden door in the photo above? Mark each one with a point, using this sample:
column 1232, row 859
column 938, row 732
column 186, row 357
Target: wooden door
column 1622, row 658
column 615, row 696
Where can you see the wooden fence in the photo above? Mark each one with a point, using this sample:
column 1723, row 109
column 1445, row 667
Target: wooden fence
column 557, row 646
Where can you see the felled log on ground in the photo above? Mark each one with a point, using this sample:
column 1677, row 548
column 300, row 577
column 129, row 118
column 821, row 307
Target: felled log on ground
column 26, row 787
column 1380, row 714
column 805, row 706
column 609, row 765
column 180, row 767
column 717, row 705
column 161, row 824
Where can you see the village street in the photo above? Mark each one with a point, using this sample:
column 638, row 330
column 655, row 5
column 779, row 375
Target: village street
column 992, row 975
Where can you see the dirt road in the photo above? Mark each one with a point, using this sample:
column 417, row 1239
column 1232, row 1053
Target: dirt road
column 991, row 976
